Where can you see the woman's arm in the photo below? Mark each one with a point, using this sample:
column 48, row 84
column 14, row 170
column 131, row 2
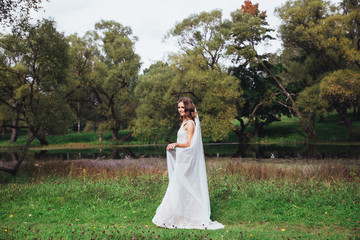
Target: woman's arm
column 189, row 127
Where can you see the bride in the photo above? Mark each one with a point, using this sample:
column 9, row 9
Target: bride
column 186, row 202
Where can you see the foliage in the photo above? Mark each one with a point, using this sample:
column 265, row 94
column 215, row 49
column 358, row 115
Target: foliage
column 35, row 63
column 80, row 96
column 310, row 102
column 205, row 35
column 16, row 12
column 249, row 28
column 115, row 75
column 320, row 40
column 197, row 72
column 156, row 114
column 341, row 88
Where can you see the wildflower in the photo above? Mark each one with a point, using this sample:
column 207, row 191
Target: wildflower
column 29, row 215
column 325, row 212
column 5, row 230
column 11, row 215
column 283, row 230
column 94, row 227
column 250, row 235
column 125, row 216
column 146, row 226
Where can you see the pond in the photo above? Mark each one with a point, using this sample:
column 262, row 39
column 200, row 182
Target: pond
column 261, row 151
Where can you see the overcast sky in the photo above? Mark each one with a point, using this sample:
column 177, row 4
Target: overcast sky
column 150, row 20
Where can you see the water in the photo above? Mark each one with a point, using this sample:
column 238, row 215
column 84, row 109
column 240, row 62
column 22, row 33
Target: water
column 299, row 151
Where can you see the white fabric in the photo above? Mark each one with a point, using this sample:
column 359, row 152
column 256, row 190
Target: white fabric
column 186, row 202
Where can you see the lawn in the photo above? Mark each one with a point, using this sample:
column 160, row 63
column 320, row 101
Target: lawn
column 116, row 199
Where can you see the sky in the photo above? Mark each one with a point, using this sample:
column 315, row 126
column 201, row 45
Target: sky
column 150, row 20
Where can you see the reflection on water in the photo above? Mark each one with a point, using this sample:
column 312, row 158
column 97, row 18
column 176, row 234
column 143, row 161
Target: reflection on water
column 211, row 150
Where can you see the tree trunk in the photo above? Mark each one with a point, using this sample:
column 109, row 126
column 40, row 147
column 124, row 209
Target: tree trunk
column 100, row 136
column 126, row 137
column 114, row 135
column 14, row 129
column 14, row 170
column 305, row 123
column 14, row 132
column 78, row 117
column 346, row 119
column 42, row 138
column 240, row 132
column 257, row 129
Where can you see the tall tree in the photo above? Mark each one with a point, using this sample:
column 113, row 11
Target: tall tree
column 79, row 93
column 263, row 89
column 115, row 75
column 203, row 39
column 35, row 63
column 156, row 113
column 197, row 71
column 320, row 39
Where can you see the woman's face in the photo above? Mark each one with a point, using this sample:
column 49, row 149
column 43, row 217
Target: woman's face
column 181, row 109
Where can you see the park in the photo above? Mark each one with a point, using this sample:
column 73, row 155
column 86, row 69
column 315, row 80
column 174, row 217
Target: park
column 84, row 128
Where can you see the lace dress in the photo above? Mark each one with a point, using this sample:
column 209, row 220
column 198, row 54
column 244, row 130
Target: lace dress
column 186, row 202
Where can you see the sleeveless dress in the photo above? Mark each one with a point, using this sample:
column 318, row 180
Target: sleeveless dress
column 186, row 202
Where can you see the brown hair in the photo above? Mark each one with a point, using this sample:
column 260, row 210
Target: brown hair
column 189, row 108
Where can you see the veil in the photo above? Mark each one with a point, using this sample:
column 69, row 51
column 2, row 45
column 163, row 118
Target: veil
column 186, row 202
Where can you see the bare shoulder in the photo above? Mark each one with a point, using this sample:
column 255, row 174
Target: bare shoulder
column 189, row 125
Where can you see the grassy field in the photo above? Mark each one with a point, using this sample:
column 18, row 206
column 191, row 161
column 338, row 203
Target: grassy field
column 116, row 199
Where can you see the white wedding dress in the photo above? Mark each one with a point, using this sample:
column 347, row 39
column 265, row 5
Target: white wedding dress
column 186, row 202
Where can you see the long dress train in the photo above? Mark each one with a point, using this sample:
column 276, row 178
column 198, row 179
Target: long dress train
column 186, row 202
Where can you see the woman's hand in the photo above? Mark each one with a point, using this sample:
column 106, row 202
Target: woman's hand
column 171, row 146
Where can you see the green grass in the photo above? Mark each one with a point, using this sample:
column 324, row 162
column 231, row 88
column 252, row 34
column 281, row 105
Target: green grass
column 254, row 200
column 288, row 130
column 73, row 139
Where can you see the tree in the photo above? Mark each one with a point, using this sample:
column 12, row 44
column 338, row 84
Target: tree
column 319, row 39
column 261, row 99
column 264, row 93
column 204, row 34
column 341, row 89
column 79, row 93
column 115, row 75
column 196, row 72
column 14, row 12
column 35, row 64
column 156, row 111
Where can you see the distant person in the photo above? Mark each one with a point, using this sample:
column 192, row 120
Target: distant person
column 186, row 202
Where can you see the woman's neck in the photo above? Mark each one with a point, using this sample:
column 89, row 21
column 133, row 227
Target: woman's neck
column 186, row 119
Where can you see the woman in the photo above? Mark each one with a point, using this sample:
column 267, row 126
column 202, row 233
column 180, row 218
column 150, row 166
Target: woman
column 186, row 202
